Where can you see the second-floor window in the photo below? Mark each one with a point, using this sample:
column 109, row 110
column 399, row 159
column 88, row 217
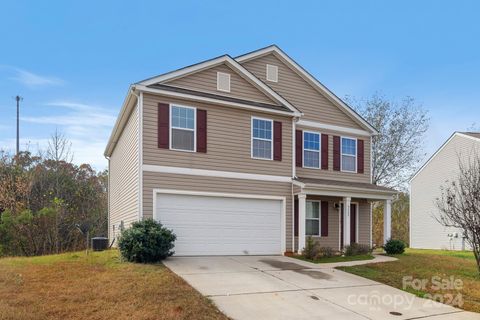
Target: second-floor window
column 311, row 150
column 262, row 139
column 349, row 154
column 182, row 128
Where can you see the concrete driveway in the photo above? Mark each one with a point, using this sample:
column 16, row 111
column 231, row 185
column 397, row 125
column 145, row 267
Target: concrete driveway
column 276, row 287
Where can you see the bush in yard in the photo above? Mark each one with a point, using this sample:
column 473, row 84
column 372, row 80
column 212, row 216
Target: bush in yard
column 394, row 246
column 311, row 249
column 146, row 241
column 325, row 252
column 357, row 249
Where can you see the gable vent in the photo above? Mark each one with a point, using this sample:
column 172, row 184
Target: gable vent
column 223, row 81
column 272, row 73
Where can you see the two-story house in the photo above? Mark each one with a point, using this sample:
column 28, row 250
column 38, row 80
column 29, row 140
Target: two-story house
column 426, row 185
column 246, row 155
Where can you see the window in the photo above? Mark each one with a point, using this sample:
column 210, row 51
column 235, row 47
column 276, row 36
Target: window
column 311, row 150
column 262, row 139
column 312, row 217
column 349, row 154
column 223, row 81
column 182, row 128
column 272, row 73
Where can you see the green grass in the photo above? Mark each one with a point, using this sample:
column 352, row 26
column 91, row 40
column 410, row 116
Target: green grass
column 338, row 258
column 96, row 285
column 424, row 264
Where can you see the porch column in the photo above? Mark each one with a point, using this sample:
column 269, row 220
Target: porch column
column 346, row 220
column 302, row 205
column 387, row 220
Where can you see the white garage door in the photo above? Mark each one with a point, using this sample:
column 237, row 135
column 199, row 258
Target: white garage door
column 214, row 225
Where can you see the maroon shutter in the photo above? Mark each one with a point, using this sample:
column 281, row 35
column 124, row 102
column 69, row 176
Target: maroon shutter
column 277, row 141
column 324, row 151
column 295, row 218
column 336, row 153
column 360, row 156
column 298, row 148
column 201, row 130
column 163, row 125
column 324, row 219
column 353, row 223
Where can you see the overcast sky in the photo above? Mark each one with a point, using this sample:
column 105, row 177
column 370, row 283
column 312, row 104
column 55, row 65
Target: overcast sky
column 73, row 62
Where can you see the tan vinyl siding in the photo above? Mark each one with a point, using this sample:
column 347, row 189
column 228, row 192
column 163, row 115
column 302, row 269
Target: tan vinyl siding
column 155, row 180
column 338, row 175
column 124, row 177
column 425, row 188
column 364, row 223
column 228, row 141
column 301, row 94
column 206, row 81
column 333, row 238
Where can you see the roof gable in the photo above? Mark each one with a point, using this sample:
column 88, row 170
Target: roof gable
column 308, row 78
column 206, row 81
column 464, row 135
column 225, row 61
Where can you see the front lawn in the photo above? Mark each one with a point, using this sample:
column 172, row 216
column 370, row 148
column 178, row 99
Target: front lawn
column 337, row 258
column 97, row 286
column 425, row 264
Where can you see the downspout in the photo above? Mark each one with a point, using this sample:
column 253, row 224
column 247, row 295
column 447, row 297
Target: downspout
column 294, row 173
column 140, row 149
column 108, row 199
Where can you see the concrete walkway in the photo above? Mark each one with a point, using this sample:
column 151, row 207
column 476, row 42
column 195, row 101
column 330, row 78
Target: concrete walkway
column 277, row 287
column 377, row 259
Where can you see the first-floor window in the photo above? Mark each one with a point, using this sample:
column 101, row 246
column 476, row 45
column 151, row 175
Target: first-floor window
column 311, row 150
column 262, row 139
column 182, row 128
column 312, row 215
column 349, row 154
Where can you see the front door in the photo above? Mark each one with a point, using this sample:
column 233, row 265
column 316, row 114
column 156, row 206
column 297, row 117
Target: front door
column 353, row 223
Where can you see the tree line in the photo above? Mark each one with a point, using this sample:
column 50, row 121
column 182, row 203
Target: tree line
column 49, row 204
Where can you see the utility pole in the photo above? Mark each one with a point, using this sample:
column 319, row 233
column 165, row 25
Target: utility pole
column 18, row 99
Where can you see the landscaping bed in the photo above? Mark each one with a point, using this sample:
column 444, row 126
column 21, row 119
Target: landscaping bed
column 336, row 258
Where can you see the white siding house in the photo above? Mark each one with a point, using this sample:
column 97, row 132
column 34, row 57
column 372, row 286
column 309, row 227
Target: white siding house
column 425, row 187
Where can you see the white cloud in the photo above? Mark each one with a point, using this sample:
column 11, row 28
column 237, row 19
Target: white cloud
column 79, row 119
column 86, row 126
column 84, row 151
column 31, row 79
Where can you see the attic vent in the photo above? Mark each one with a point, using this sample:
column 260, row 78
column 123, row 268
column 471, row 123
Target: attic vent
column 223, row 81
column 272, row 73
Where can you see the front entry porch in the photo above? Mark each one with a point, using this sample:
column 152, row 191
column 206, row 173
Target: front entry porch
column 337, row 214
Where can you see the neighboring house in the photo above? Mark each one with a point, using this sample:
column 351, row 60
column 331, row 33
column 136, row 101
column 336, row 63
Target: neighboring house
column 425, row 187
column 244, row 155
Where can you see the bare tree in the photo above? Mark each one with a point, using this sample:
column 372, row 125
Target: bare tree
column 59, row 152
column 397, row 149
column 59, row 148
column 459, row 203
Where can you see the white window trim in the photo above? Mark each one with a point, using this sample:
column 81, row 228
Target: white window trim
column 229, row 81
column 319, row 150
column 251, row 138
column 170, row 127
column 348, row 155
column 266, row 72
column 319, row 219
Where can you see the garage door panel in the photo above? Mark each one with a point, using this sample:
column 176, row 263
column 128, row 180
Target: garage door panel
column 208, row 225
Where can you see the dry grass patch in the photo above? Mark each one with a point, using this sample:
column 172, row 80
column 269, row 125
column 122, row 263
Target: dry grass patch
column 424, row 264
column 97, row 286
